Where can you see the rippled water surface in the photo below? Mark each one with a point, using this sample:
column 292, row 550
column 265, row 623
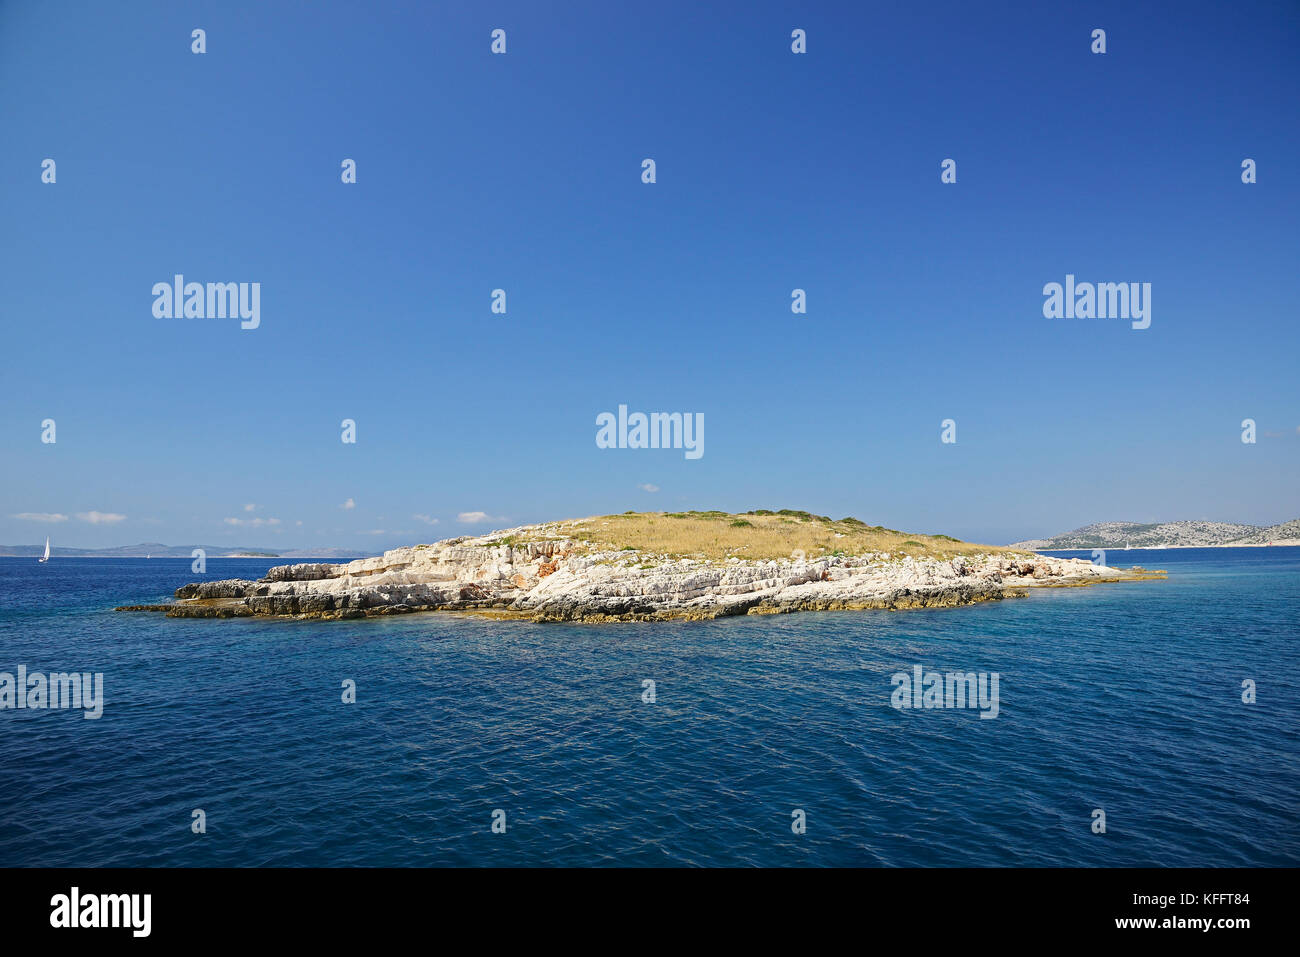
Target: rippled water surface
column 1123, row 697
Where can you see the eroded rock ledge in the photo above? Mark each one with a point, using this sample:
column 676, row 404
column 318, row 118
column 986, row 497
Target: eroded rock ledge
column 565, row 579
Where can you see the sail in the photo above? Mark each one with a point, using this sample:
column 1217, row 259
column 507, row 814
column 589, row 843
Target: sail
column 47, row 549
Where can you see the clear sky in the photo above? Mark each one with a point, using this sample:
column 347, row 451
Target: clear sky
column 523, row 172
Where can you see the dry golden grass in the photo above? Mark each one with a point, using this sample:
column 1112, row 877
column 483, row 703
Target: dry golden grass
column 721, row 535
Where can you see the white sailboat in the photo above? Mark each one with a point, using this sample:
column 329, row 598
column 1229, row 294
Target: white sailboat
column 46, row 557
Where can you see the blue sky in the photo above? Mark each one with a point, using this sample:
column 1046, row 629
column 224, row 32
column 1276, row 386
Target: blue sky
column 775, row 171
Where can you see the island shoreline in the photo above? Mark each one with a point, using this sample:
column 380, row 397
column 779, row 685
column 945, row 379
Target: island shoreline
column 679, row 567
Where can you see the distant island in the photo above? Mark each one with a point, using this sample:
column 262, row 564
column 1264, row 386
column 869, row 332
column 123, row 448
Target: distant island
column 159, row 550
column 644, row 566
column 1168, row 535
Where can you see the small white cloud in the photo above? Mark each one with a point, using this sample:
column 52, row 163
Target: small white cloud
column 475, row 518
column 101, row 518
column 427, row 519
column 251, row 522
column 348, row 505
column 250, row 508
column 299, row 522
column 647, row 487
column 40, row 517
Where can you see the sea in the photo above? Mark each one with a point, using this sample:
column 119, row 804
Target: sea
column 1147, row 723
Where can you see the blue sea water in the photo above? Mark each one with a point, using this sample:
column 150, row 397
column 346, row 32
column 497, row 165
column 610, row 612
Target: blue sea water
column 1124, row 697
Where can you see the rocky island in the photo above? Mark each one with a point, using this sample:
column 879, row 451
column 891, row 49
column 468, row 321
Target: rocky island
column 650, row 566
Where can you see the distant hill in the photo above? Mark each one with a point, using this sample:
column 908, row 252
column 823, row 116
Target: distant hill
column 1168, row 535
column 159, row 550
column 1287, row 531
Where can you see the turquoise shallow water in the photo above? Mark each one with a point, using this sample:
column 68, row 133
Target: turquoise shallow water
column 1123, row 697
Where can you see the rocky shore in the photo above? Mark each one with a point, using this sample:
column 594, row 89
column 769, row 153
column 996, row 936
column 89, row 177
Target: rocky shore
column 537, row 573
